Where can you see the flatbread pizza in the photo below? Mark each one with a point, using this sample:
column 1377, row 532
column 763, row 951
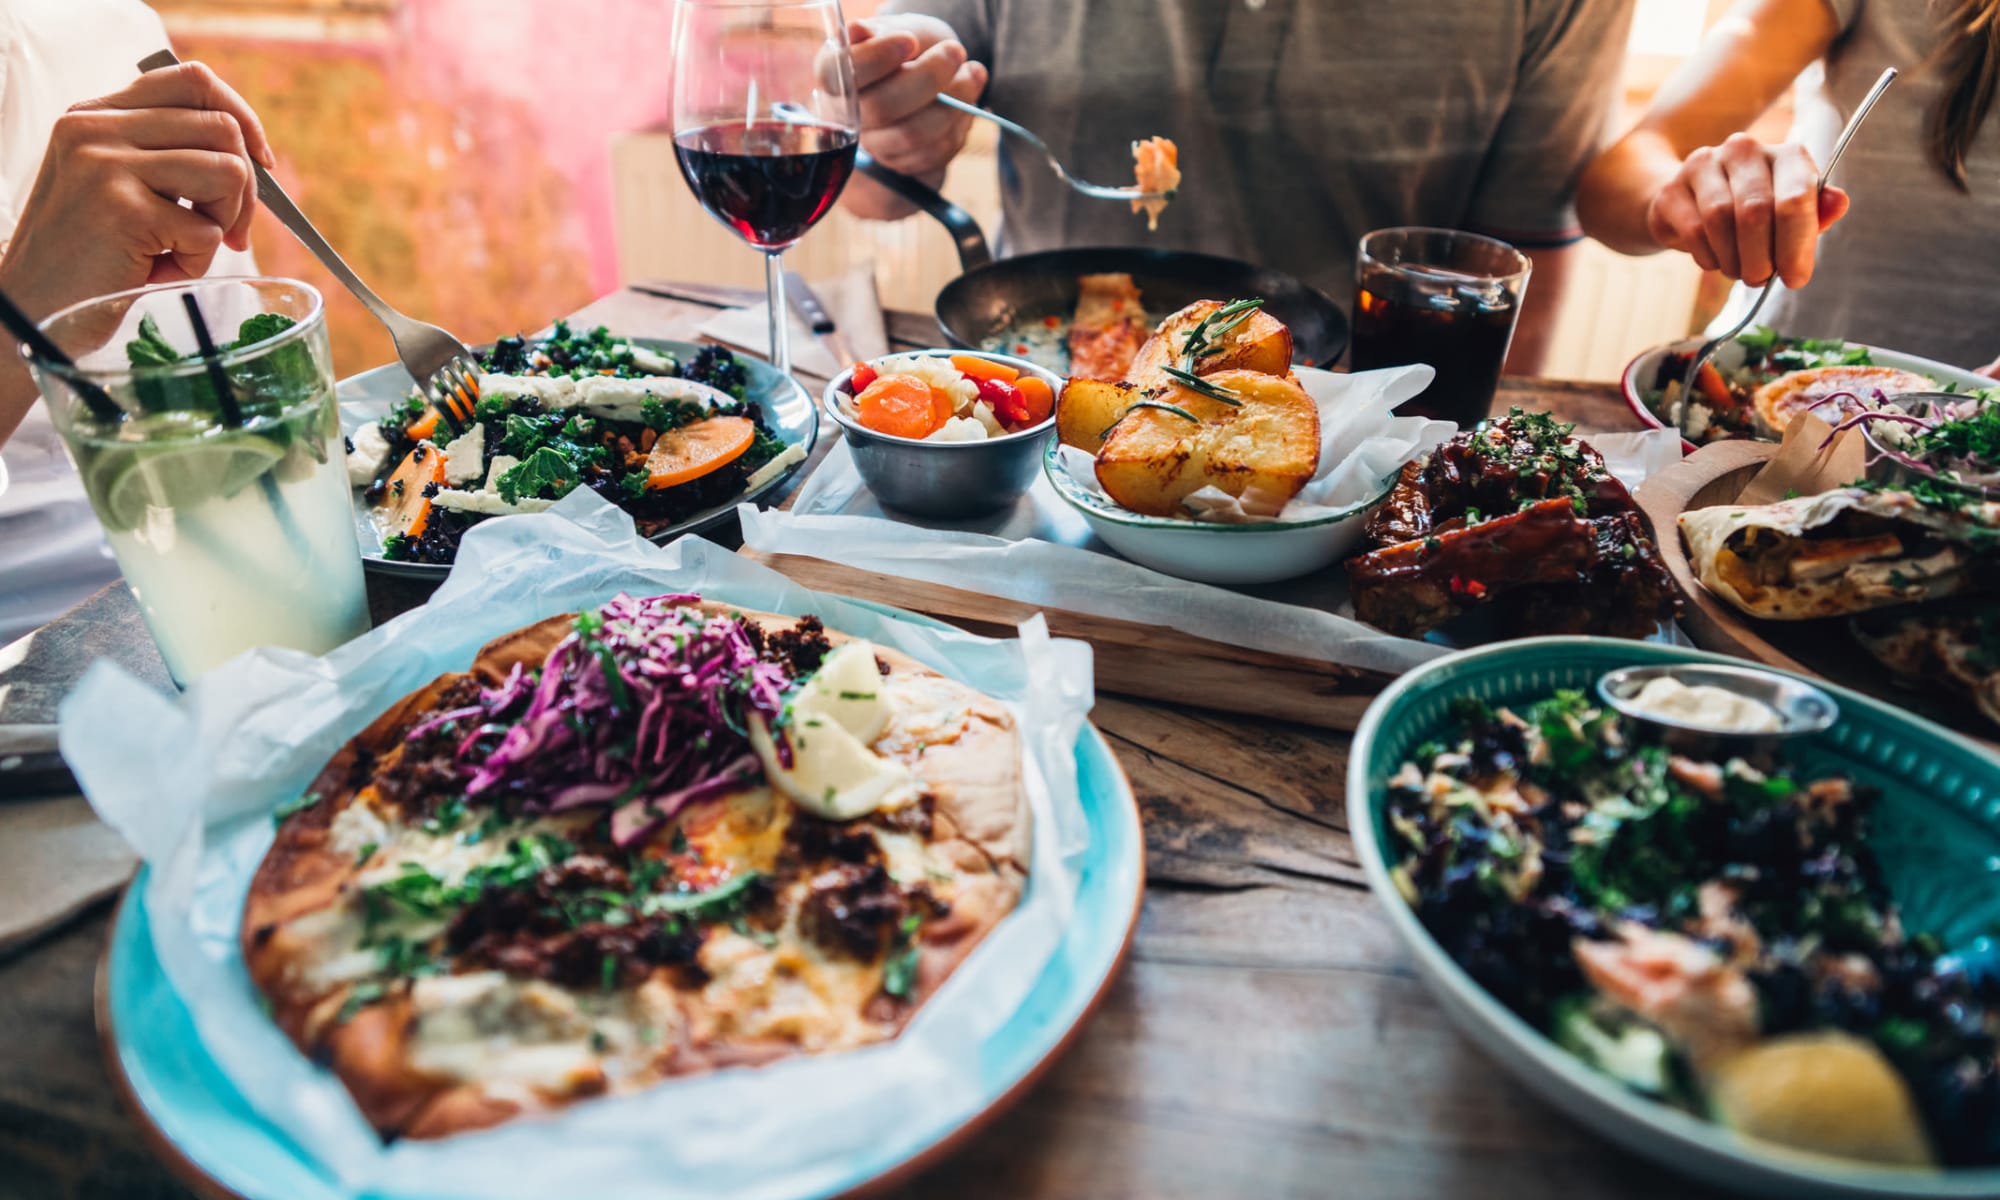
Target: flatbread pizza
column 647, row 841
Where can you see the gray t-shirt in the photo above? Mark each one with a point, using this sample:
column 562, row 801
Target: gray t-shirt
column 1302, row 124
column 1915, row 264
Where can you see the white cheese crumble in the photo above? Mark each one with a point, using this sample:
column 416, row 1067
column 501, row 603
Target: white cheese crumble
column 487, row 503
column 837, row 713
column 370, row 454
column 465, row 455
column 776, row 467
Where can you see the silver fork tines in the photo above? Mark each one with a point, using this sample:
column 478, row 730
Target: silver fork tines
column 454, row 388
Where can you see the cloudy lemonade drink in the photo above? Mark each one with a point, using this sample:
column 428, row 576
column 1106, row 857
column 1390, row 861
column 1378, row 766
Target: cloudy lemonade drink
column 233, row 528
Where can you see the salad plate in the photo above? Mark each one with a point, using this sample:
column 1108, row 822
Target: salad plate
column 1934, row 832
column 784, row 407
column 1755, row 359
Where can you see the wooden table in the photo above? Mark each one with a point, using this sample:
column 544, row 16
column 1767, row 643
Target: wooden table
column 1266, row 1038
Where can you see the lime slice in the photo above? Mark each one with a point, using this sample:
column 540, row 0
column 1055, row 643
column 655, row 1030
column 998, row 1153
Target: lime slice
column 130, row 481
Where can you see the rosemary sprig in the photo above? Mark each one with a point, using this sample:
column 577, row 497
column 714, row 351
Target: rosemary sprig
column 1205, row 337
column 1195, row 383
column 1162, row 405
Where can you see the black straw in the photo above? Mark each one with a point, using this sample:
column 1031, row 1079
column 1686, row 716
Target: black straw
column 95, row 398
column 232, row 413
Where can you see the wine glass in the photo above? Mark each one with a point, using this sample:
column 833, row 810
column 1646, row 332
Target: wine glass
column 765, row 123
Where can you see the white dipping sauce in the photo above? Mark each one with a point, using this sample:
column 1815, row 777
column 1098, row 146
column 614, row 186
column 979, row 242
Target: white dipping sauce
column 1704, row 706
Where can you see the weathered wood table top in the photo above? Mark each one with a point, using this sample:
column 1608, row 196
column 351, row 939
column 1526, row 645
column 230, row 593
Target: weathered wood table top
column 1266, row 1038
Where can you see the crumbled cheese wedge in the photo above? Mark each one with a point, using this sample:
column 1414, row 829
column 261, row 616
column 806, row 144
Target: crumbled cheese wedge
column 465, row 455
column 835, row 716
column 487, row 503
column 553, row 391
column 369, row 456
column 776, row 467
column 624, row 399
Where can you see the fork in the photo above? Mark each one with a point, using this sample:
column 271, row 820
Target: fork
column 440, row 363
column 1709, row 347
column 1095, row 190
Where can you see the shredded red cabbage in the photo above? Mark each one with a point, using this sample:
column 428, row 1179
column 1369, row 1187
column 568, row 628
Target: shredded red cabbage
column 643, row 708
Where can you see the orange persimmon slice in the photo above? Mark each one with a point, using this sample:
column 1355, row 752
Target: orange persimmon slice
column 408, row 509
column 693, row 451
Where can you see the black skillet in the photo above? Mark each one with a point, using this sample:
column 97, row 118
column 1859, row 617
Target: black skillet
column 993, row 295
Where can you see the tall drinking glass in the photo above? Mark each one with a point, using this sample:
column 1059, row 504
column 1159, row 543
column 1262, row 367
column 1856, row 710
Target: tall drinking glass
column 1441, row 297
column 765, row 123
column 231, row 517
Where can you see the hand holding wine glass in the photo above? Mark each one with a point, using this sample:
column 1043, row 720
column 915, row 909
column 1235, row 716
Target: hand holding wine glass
column 765, row 122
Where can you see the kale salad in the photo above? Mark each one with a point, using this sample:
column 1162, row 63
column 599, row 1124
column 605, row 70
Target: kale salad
column 1715, row 935
column 662, row 438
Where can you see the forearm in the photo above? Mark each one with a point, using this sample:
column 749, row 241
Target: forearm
column 1534, row 330
column 1617, row 190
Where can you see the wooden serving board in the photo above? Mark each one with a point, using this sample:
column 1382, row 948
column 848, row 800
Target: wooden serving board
column 1149, row 662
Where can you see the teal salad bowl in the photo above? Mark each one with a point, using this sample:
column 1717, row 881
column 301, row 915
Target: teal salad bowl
column 1935, row 831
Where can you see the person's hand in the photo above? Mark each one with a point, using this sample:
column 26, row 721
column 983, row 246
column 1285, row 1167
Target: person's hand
column 901, row 63
column 1991, row 370
column 104, row 216
column 1747, row 210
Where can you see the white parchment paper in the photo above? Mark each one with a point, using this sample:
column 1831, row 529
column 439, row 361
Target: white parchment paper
column 191, row 783
column 1042, row 552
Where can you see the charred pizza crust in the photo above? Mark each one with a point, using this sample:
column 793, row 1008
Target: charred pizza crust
column 974, row 848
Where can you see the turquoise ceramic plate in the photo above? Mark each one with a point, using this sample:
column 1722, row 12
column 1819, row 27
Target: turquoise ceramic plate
column 1937, row 831
column 787, row 409
column 208, row 1134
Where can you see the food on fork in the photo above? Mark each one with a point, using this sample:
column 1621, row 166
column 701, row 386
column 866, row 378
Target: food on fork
column 1519, row 515
column 650, row 840
column 1156, row 164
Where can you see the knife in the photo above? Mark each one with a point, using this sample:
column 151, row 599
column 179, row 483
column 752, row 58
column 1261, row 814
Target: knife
column 716, row 296
column 806, row 303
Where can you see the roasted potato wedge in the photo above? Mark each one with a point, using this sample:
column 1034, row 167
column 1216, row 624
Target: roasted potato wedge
column 1268, row 443
column 1260, row 343
column 1087, row 408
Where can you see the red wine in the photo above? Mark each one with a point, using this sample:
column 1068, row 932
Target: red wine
column 770, row 181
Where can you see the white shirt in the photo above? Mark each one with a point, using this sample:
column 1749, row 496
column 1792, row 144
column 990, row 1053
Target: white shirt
column 54, row 53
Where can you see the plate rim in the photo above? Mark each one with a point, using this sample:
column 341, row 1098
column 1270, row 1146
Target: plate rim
column 372, row 561
column 1593, row 1100
column 1127, row 908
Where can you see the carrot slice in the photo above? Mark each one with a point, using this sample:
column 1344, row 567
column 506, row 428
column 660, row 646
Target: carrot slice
column 1714, row 388
column 901, row 406
column 408, row 509
column 693, row 451
column 425, row 425
column 980, row 368
column 1040, row 397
